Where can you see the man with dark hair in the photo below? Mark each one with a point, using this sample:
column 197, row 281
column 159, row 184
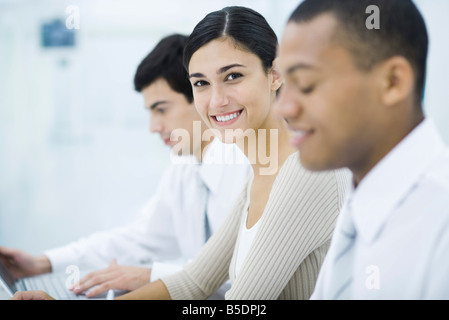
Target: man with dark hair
column 194, row 196
column 353, row 98
column 163, row 62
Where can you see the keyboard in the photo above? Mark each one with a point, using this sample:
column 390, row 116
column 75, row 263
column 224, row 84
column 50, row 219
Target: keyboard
column 53, row 284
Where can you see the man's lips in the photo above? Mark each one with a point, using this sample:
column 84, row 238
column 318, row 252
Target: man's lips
column 226, row 119
column 299, row 136
column 166, row 139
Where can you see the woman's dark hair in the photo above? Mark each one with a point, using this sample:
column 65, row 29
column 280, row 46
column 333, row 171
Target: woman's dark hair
column 246, row 27
column 165, row 61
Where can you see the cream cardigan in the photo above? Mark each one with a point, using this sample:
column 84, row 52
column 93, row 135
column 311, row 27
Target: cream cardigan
column 288, row 250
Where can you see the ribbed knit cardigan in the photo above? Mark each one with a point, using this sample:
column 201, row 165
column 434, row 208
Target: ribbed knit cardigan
column 288, row 250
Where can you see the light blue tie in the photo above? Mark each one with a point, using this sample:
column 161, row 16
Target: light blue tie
column 342, row 272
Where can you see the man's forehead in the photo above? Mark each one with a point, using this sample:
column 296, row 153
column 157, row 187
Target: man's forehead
column 158, row 91
column 304, row 42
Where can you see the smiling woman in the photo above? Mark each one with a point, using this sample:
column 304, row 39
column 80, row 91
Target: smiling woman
column 222, row 88
column 275, row 239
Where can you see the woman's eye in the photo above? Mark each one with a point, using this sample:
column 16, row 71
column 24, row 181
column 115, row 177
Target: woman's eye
column 200, row 83
column 234, row 76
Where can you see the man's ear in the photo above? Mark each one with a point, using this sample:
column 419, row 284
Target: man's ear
column 276, row 78
column 397, row 81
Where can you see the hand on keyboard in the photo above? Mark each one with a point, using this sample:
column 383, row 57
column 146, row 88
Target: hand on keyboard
column 31, row 295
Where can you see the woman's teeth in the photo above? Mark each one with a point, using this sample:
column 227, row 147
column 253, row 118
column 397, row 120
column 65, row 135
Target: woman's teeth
column 227, row 117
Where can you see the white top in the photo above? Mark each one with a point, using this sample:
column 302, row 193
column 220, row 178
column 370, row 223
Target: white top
column 170, row 228
column 246, row 237
column 401, row 215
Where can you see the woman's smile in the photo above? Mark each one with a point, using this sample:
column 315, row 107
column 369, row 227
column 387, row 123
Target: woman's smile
column 226, row 119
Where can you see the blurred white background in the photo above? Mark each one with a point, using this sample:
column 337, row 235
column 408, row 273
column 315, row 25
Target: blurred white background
column 76, row 155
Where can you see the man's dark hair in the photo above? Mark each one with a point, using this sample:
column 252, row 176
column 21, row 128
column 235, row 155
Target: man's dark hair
column 402, row 32
column 165, row 61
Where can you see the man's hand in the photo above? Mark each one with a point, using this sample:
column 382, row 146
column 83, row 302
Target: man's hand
column 22, row 264
column 31, row 295
column 114, row 277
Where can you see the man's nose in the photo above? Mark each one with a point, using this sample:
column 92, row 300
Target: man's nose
column 155, row 125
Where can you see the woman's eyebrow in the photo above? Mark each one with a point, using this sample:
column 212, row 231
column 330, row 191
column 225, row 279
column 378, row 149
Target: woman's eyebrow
column 196, row 75
column 220, row 71
column 226, row 68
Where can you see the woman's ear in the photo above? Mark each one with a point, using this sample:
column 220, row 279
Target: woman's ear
column 276, row 78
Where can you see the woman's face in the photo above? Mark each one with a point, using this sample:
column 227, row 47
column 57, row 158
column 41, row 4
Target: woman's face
column 230, row 87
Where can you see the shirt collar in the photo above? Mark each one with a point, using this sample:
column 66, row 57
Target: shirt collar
column 392, row 178
column 210, row 174
column 217, row 156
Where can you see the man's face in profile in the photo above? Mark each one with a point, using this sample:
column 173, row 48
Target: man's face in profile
column 328, row 102
column 169, row 110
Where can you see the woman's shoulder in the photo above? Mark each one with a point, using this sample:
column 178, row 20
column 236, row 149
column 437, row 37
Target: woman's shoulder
column 293, row 175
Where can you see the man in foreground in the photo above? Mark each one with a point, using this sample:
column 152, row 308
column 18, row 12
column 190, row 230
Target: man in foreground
column 353, row 97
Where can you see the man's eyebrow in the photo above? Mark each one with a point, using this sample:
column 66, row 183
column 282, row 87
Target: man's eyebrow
column 300, row 66
column 220, row 71
column 154, row 105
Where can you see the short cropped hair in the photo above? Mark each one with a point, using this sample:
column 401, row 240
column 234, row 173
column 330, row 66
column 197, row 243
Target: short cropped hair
column 165, row 61
column 402, row 32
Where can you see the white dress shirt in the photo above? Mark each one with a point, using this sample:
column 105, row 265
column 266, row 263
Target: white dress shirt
column 170, row 229
column 400, row 212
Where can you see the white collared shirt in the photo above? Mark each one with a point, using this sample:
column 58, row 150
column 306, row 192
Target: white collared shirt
column 401, row 215
column 170, row 229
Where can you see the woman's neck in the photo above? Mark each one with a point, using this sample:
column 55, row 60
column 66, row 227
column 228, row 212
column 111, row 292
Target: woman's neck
column 268, row 150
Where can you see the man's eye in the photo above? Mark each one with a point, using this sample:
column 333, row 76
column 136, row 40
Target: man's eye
column 159, row 110
column 234, row 76
column 307, row 90
column 200, row 83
